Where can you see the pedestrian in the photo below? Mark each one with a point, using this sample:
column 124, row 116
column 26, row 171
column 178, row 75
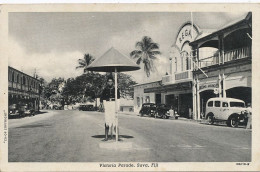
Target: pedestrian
column 249, row 117
column 108, row 100
column 172, row 113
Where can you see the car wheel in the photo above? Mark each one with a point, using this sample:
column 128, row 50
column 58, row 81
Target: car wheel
column 164, row 116
column 210, row 119
column 233, row 122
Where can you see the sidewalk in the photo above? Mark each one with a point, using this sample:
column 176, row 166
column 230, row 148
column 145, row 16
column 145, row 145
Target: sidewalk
column 179, row 118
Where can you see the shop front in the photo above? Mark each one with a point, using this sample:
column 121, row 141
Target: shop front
column 226, row 72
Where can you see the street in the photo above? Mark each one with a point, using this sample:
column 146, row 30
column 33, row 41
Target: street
column 75, row 136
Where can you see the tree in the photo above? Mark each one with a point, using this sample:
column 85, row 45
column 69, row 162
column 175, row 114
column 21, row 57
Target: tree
column 83, row 63
column 125, row 84
column 146, row 52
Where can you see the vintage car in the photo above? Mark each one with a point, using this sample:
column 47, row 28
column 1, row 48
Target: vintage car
column 148, row 109
column 86, row 108
column 225, row 109
column 163, row 111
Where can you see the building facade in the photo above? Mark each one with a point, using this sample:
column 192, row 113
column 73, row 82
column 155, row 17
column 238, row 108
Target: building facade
column 204, row 64
column 175, row 88
column 227, row 71
column 23, row 89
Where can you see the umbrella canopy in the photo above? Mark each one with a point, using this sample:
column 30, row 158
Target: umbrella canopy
column 113, row 59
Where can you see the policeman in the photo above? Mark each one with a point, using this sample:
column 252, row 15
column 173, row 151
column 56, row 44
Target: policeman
column 108, row 100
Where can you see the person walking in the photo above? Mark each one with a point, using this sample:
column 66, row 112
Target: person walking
column 249, row 117
column 107, row 100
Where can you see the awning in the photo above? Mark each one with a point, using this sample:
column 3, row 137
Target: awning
column 173, row 87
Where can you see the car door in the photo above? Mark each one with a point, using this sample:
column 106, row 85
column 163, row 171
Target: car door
column 224, row 110
column 217, row 108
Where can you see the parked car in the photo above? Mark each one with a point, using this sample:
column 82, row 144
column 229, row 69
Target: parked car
column 225, row 109
column 57, row 107
column 148, row 109
column 162, row 111
column 20, row 110
column 86, row 108
column 13, row 110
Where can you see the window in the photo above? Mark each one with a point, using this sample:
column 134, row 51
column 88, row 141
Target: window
column 224, row 104
column 13, row 76
column 24, row 80
column 237, row 104
column 217, row 103
column 17, row 78
column 210, row 104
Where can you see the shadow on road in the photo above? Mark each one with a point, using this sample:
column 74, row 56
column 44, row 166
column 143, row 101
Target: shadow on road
column 122, row 136
column 221, row 125
column 17, row 116
column 34, row 126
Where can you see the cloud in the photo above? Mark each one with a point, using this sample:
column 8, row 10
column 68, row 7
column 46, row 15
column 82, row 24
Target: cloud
column 48, row 66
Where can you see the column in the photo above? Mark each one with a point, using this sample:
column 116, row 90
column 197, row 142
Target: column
column 198, row 99
column 194, row 92
column 219, row 85
column 170, row 66
column 197, row 58
column 224, row 85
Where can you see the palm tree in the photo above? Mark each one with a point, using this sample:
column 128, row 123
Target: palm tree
column 146, row 52
column 83, row 63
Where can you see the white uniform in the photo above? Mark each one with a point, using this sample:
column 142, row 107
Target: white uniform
column 110, row 112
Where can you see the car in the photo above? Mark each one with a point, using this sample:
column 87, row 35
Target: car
column 225, row 109
column 147, row 109
column 57, row 107
column 13, row 110
column 162, row 111
column 86, row 108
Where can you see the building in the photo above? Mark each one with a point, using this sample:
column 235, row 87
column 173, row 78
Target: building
column 126, row 105
column 140, row 96
column 23, row 89
column 203, row 64
column 175, row 88
column 227, row 71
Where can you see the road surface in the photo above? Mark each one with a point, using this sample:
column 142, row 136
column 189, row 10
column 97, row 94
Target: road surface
column 76, row 136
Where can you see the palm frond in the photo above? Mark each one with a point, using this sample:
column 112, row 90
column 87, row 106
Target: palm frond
column 153, row 46
column 139, row 61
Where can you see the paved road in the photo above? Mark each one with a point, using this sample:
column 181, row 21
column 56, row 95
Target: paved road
column 75, row 136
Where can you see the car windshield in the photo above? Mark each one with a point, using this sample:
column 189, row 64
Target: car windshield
column 237, row 104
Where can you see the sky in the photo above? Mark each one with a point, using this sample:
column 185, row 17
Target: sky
column 51, row 43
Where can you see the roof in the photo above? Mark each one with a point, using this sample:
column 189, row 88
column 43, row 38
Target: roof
column 113, row 59
column 226, row 99
column 243, row 19
column 23, row 73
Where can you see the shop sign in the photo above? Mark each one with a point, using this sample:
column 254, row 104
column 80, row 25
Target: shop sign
column 205, row 86
column 185, row 35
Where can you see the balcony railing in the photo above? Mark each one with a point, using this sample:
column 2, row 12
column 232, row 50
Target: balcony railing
column 228, row 56
column 183, row 75
column 177, row 77
column 168, row 79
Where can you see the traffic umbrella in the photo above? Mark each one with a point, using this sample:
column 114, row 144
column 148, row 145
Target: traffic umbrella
column 113, row 61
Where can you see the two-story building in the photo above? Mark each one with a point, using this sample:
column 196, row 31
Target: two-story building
column 23, row 89
column 203, row 64
column 175, row 88
column 227, row 71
